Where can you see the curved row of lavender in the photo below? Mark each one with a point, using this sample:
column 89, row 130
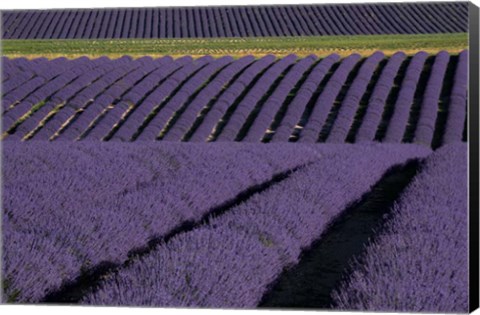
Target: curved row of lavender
column 254, row 100
column 72, row 206
column 458, row 100
column 350, row 103
column 419, row 263
column 374, row 112
column 428, row 113
column 238, row 21
column 231, row 260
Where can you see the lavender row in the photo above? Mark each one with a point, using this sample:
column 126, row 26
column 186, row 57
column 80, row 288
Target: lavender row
column 208, row 99
column 458, row 102
column 173, row 76
column 227, row 99
column 401, row 112
column 428, row 114
column 23, row 63
column 419, row 263
column 44, row 92
column 180, row 74
column 231, row 260
column 296, row 108
column 351, row 102
column 92, row 202
column 118, row 109
column 61, row 117
column 238, row 21
column 273, row 104
column 254, row 95
column 9, row 67
column 378, row 99
column 187, row 119
column 324, row 103
column 26, row 81
column 67, row 89
column 158, row 124
column 91, row 114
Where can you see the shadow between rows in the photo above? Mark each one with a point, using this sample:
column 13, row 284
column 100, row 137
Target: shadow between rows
column 73, row 291
column 323, row 266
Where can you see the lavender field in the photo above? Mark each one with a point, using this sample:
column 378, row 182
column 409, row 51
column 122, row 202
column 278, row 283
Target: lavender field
column 204, row 182
column 240, row 21
column 300, row 180
column 109, row 223
column 438, row 230
column 411, row 99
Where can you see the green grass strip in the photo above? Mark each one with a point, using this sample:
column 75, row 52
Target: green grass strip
column 237, row 47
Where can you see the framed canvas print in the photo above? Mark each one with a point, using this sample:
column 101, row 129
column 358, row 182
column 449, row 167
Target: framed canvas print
column 317, row 156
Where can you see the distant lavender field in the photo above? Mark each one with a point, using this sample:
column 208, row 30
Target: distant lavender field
column 240, row 21
column 418, row 99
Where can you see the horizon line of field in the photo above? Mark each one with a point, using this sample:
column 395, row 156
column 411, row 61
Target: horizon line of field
column 303, row 45
column 169, row 129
